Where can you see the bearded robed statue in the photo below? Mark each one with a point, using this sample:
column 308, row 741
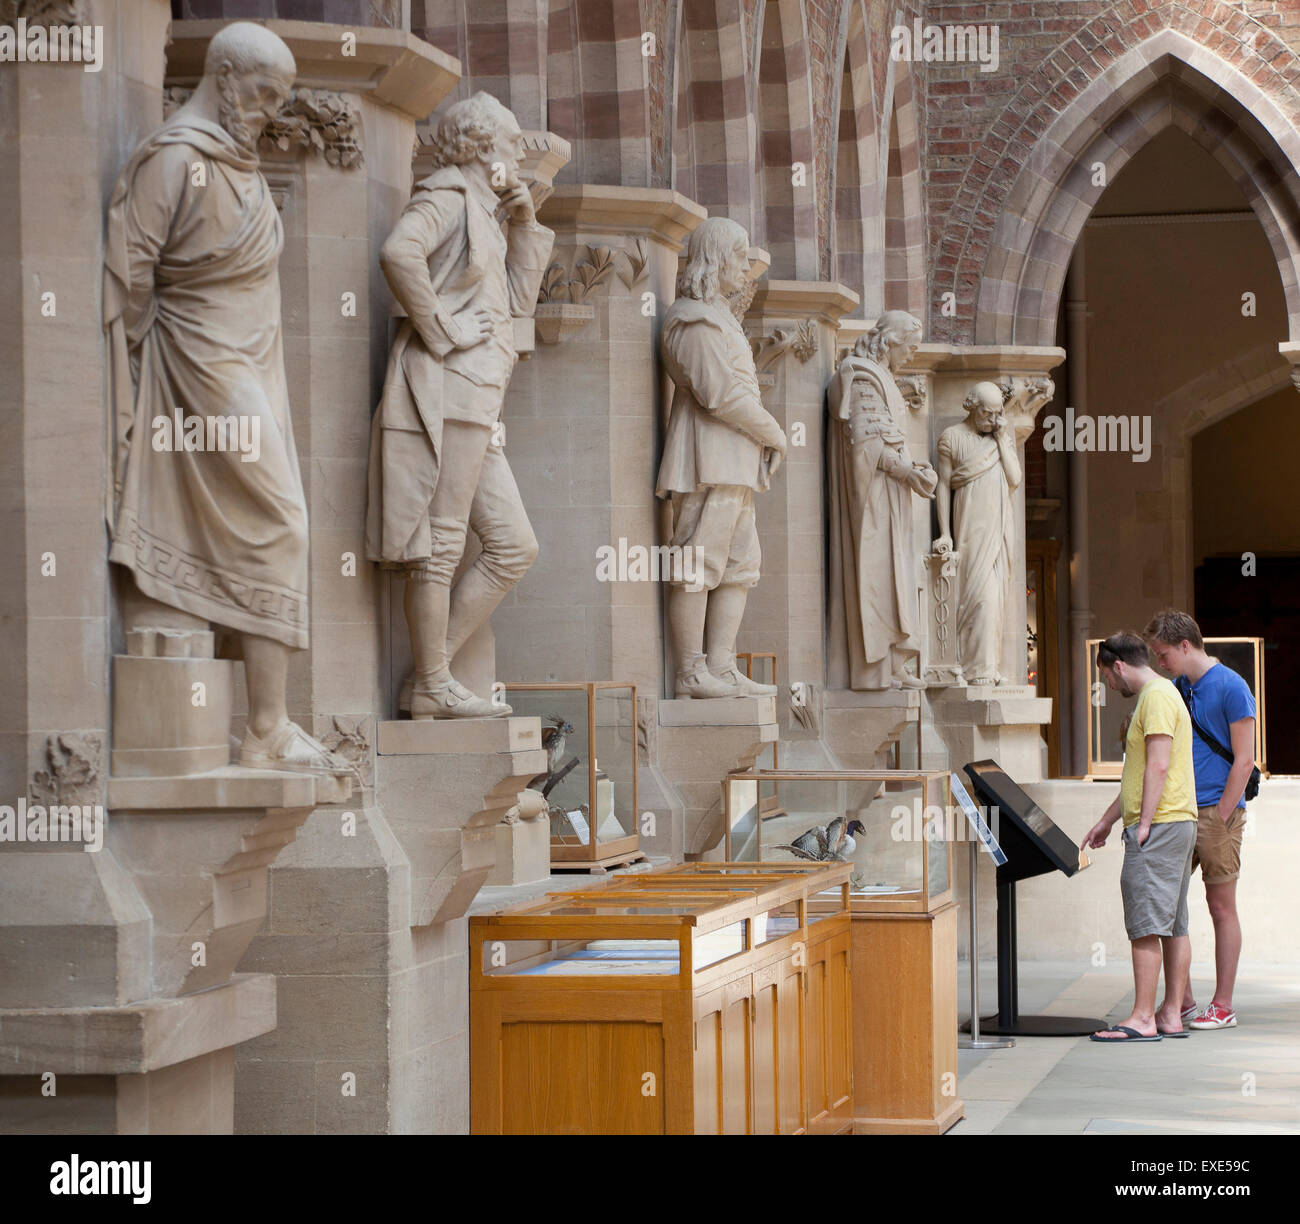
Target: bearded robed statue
column 213, row 532
column 874, row 613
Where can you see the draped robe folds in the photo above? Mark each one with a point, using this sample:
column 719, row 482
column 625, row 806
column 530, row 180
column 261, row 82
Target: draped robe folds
column 983, row 535
column 873, row 605
column 192, row 315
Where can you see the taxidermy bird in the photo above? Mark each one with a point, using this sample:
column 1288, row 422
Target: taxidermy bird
column 832, row 844
column 553, row 740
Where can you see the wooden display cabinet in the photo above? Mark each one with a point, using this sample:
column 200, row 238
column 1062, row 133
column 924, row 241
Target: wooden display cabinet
column 686, row 1001
column 903, row 924
column 1108, row 713
column 591, row 786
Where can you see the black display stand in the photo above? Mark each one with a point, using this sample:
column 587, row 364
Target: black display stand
column 1033, row 845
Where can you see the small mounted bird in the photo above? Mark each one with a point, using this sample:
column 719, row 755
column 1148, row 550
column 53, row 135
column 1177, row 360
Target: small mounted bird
column 553, row 740
column 832, row 843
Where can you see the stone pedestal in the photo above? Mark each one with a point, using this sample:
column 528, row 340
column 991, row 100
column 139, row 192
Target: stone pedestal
column 700, row 742
column 861, row 728
column 1000, row 722
column 366, row 939
column 120, row 957
column 162, row 1067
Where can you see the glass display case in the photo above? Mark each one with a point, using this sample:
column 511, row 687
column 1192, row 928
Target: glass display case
column 701, row 999
column 589, row 734
column 894, row 827
column 761, row 667
column 1108, row 712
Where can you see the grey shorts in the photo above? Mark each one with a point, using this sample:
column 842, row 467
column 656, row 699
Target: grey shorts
column 1154, row 879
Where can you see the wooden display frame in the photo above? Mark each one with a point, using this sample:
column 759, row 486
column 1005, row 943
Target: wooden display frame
column 757, row 1042
column 1108, row 769
column 596, row 856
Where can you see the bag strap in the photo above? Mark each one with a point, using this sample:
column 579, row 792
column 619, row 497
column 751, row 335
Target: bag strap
column 1210, row 742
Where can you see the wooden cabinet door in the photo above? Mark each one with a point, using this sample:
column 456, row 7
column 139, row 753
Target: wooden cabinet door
column 828, row 1034
column 778, row 1050
column 724, row 1060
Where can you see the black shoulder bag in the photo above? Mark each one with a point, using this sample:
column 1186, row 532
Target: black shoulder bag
column 1252, row 783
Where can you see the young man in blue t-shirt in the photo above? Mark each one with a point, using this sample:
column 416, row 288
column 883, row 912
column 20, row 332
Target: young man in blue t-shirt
column 1220, row 701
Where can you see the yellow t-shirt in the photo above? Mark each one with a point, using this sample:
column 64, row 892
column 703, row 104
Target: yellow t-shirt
column 1160, row 711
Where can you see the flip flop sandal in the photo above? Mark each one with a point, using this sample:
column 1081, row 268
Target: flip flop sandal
column 1131, row 1035
column 1170, row 1033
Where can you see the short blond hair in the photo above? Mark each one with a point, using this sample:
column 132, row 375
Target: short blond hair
column 1170, row 626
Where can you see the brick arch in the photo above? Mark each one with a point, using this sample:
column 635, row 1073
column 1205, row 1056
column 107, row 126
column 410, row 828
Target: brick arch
column 1031, row 248
column 713, row 123
column 598, row 90
column 857, row 238
column 1085, row 84
column 787, row 217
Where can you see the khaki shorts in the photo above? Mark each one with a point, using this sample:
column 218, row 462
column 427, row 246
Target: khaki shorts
column 1218, row 844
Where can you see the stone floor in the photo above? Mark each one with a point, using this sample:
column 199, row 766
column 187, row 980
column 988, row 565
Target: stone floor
column 1244, row 1080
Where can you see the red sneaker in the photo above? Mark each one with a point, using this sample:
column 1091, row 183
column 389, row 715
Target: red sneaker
column 1214, row 1017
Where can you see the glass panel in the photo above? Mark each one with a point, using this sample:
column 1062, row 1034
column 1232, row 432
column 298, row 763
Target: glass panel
column 711, row 947
column 877, row 826
column 943, row 821
column 563, row 713
column 779, row 921
column 581, row 958
column 615, row 763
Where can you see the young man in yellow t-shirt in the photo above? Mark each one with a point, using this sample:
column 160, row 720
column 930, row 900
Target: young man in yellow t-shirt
column 1157, row 799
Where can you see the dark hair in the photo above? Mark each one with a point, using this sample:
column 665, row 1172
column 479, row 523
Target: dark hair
column 1125, row 647
column 1171, row 626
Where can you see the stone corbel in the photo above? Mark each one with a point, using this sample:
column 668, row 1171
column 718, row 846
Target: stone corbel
column 444, row 787
column 1023, row 397
column 801, row 341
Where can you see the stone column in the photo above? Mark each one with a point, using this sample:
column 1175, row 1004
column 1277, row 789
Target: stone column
column 793, row 325
column 584, row 423
column 119, row 1000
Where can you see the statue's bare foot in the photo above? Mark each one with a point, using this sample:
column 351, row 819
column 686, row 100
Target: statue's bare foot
column 697, row 681
column 737, row 679
column 452, row 699
column 290, row 748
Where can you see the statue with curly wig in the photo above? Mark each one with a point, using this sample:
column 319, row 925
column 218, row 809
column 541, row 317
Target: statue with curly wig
column 722, row 445
column 465, row 259
column 875, row 630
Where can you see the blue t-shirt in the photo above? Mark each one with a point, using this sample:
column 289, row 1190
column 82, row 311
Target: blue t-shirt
column 1218, row 699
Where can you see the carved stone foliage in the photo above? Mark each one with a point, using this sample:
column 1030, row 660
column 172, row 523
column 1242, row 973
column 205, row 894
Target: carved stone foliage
column 805, row 705
column 44, row 13
column 73, row 772
column 349, row 736
column 588, row 274
column 1026, row 395
column 317, row 120
column 632, row 271
column 801, row 341
column 912, row 387
column 647, row 729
